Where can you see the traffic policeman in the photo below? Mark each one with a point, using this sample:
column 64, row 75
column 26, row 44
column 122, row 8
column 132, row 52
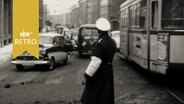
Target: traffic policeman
column 99, row 85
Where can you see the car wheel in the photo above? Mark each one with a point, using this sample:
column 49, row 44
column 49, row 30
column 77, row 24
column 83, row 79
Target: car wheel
column 66, row 60
column 20, row 67
column 52, row 64
column 80, row 54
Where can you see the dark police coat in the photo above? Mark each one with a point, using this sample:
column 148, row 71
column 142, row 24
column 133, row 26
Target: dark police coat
column 99, row 89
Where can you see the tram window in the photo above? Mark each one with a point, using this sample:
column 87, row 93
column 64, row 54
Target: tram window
column 133, row 16
column 138, row 15
column 122, row 19
column 154, row 14
column 130, row 16
column 126, row 18
column 143, row 14
column 143, row 18
column 143, row 3
column 173, row 14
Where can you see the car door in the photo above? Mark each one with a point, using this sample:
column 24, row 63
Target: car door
column 62, row 53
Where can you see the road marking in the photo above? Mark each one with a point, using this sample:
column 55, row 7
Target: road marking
column 5, row 74
column 120, row 55
column 116, row 78
column 79, row 77
column 121, row 97
column 178, row 98
column 54, row 80
column 56, row 77
column 27, row 77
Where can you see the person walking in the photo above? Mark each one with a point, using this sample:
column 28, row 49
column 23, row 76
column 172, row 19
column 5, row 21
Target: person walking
column 99, row 85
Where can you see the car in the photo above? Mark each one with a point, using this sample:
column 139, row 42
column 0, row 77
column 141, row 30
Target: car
column 53, row 49
column 75, row 35
column 70, row 35
column 59, row 29
column 87, row 37
column 67, row 32
column 116, row 36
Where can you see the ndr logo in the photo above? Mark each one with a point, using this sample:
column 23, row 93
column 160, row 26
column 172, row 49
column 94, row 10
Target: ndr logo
column 25, row 41
column 25, row 34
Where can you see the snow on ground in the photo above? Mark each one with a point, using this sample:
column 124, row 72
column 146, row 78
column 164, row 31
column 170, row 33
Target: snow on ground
column 5, row 53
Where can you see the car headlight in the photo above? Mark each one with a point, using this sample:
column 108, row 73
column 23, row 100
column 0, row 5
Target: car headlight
column 43, row 52
column 83, row 44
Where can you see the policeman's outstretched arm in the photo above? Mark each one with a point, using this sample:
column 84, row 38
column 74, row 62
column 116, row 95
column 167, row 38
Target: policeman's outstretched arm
column 91, row 69
column 93, row 66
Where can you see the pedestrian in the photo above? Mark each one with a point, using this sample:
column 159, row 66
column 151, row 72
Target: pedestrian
column 99, row 85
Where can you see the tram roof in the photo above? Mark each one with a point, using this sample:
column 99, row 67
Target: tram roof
column 127, row 2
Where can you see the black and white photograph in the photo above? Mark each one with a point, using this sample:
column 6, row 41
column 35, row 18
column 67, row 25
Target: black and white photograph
column 96, row 52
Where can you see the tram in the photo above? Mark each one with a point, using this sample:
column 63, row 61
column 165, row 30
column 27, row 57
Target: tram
column 152, row 34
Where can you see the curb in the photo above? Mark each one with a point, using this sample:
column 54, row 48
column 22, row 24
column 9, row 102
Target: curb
column 5, row 53
column 3, row 60
column 120, row 55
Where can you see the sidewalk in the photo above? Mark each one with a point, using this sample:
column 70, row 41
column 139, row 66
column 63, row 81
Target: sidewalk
column 5, row 53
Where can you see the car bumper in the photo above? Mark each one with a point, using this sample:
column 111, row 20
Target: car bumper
column 86, row 51
column 30, row 63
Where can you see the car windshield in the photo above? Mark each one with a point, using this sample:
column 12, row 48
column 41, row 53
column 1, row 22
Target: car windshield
column 89, row 32
column 46, row 40
column 68, row 33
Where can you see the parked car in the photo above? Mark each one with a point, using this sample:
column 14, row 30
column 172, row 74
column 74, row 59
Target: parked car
column 88, row 35
column 53, row 48
column 116, row 36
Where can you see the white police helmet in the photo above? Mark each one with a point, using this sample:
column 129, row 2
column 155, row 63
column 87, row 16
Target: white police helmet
column 103, row 24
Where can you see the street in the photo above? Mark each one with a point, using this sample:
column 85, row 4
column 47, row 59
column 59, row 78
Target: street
column 63, row 85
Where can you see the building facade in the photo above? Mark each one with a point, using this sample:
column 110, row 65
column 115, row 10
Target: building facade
column 110, row 9
column 93, row 10
column 67, row 15
column 41, row 19
column 74, row 16
column 83, row 12
column 5, row 22
column 45, row 12
column 88, row 11
column 56, row 19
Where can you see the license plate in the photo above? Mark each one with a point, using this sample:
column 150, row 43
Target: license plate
column 28, row 64
column 90, row 52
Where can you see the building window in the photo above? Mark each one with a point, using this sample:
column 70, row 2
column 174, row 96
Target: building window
column 5, row 42
column 9, row 40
